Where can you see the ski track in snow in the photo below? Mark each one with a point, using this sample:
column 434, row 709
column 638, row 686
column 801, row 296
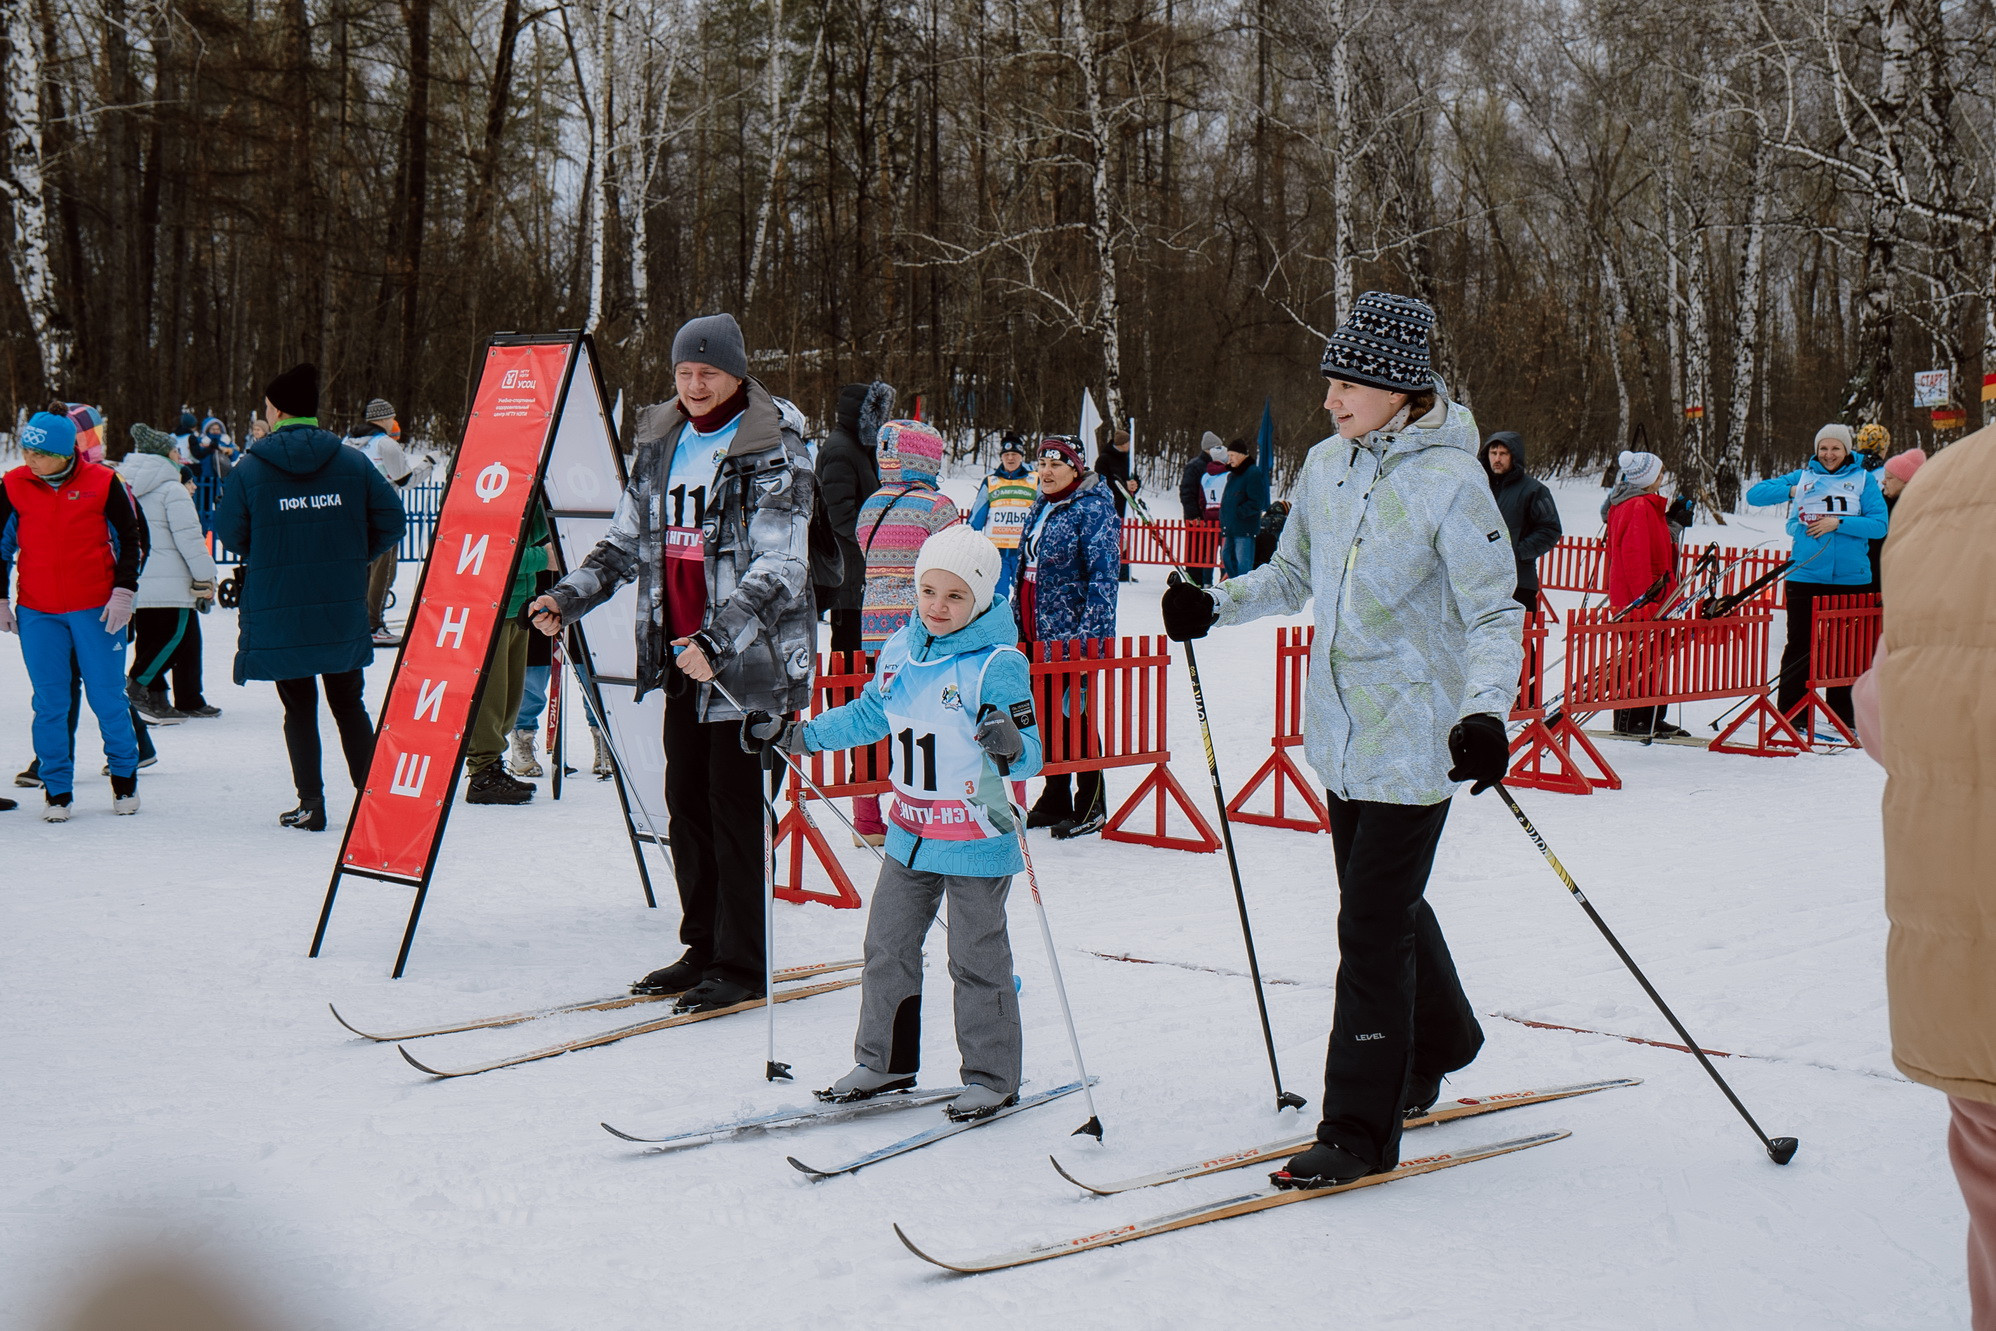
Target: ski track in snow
column 173, row 1076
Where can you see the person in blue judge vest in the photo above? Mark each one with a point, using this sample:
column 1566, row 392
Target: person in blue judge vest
column 952, row 693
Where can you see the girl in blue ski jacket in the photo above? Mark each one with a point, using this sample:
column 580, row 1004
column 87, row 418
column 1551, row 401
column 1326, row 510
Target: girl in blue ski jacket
column 952, row 695
column 1836, row 511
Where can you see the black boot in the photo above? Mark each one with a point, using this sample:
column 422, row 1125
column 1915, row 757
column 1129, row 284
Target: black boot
column 712, row 995
column 493, row 786
column 1422, row 1092
column 1054, row 806
column 677, row 978
column 309, row 816
column 1091, row 809
column 1322, row 1166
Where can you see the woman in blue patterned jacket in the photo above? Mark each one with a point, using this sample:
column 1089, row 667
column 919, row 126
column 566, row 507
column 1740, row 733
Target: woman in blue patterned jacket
column 1069, row 560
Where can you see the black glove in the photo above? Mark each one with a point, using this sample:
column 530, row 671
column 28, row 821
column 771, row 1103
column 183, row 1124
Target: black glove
column 998, row 734
column 1188, row 610
column 762, row 731
column 1481, row 750
column 1682, row 512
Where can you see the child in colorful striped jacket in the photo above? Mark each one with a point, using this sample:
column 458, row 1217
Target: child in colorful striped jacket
column 905, row 511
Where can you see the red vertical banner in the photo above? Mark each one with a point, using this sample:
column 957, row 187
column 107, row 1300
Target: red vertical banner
column 426, row 718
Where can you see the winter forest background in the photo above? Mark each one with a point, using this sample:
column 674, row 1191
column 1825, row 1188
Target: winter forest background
column 1775, row 211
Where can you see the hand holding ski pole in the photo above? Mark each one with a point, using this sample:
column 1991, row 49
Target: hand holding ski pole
column 992, row 728
column 1779, row 1149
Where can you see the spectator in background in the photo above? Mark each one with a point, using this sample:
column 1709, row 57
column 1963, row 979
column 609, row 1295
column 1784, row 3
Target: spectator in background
column 89, row 423
column 504, row 683
column 1242, row 503
column 380, row 440
column 1837, row 510
column 1067, row 590
column 1894, row 474
column 896, row 519
column 303, row 609
column 1927, row 711
column 81, row 545
column 1004, row 498
column 211, row 451
column 1192, row 490
column 848, row 474
column 1113, row 465
column 1872, row 443
column 1270, row 536
column 177, row 585
column 1527, row 507
column 1642, row 566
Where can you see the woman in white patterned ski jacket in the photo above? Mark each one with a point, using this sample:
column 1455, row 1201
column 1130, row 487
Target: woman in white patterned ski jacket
column 1396, row 537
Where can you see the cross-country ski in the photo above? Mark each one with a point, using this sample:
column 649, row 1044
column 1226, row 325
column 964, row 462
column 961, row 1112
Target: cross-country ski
column 788, row 1118
column 930, row 1136
column 625, row 1032
column 786, row 975
column 1449, row 1112
column 1245, row 1204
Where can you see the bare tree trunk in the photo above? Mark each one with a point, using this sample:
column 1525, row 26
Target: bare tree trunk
column 25, row 184
column 1746, row 340
column 1345, row 156
column 1101, row 224
column 780, row 138
column 1871, row 377
column 1697, row 456
column 416, row 186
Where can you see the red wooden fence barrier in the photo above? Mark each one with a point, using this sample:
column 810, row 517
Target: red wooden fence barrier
column 1292, row 672
column 1176, row 541
column 1100, row 704
column 1843, row 637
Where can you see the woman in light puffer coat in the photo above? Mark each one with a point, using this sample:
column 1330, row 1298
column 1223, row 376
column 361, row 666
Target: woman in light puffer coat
column 176, row 586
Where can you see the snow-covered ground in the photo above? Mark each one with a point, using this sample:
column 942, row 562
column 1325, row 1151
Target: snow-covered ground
column 171, row 1074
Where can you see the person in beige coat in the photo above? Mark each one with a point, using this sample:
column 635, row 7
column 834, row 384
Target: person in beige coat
column 1927, row 711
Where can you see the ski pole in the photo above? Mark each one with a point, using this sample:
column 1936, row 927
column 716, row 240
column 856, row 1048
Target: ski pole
column 1283, row 1099
column 771, row 1069
column 1779, row 1149
column 805, row 777
column 1093, row 1127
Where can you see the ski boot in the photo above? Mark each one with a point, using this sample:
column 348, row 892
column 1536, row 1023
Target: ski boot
column 1322, row 1166
column 863, row 1083
column 1091, row 809
column 1422, row 1092
column 677, row 978
column 55, row 808
column 977, row 1102
column 309, row 816
column 124, row 794
column 713, row 995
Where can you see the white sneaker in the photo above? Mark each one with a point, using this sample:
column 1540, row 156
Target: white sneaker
column 126, row 803
column 55, row 813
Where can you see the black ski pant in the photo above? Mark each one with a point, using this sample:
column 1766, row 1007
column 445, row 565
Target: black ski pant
column 1401, row 1015
column 1801, row 600
column 301, row 729
column 714, row 817
column 168, row 638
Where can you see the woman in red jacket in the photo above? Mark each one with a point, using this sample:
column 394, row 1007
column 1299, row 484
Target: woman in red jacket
column 1642, row 562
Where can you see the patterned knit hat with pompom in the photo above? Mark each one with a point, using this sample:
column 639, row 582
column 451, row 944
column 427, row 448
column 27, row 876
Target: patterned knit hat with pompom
column 1384, row 344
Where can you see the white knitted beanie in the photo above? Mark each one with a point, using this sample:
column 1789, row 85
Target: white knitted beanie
column 1840, row 433
column 1641, row 469
column 968, row 554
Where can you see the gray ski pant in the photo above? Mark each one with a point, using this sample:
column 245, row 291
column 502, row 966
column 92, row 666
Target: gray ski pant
column 980, row 966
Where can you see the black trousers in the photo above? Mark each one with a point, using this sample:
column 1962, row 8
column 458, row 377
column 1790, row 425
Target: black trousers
column 715, row 819
column 301, row 728
column 168, row 638
column 1801, row 600
column 1401, row 1012
column 846, row 629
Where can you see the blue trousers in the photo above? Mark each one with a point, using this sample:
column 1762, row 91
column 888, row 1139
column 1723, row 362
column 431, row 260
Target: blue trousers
column 58, row 649
column 1237, row 555
column 533, row 698
column 1008, row 571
